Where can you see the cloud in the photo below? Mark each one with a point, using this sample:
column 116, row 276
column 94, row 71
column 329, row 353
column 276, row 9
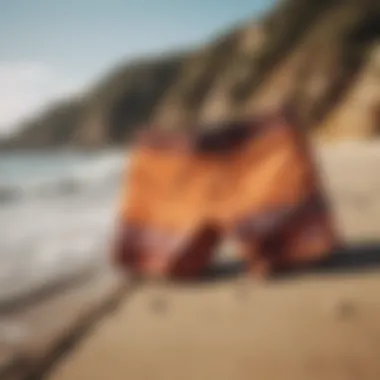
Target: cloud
column 26, row 88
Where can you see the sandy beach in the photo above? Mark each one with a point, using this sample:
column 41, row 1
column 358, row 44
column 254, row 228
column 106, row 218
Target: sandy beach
column 316, row 324
column 319, row 325
column 311, row 328
column 35, row 331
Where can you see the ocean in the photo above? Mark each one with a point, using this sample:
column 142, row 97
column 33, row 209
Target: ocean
column 57, row 213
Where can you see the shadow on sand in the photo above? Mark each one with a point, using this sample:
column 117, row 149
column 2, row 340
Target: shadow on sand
column 350, row 259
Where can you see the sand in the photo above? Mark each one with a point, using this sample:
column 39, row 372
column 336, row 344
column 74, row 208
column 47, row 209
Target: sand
column 34, row 331
column 323, row 328
column 322, row 325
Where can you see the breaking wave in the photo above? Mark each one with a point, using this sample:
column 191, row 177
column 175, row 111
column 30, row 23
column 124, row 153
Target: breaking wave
column 90, row 175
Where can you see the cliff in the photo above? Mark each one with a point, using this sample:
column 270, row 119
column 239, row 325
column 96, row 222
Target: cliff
column 325, row 54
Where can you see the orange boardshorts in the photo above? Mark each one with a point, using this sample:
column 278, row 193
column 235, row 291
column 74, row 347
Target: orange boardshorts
column 253, row 181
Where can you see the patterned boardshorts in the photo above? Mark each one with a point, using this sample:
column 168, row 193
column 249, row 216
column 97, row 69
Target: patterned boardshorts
column 253, row 181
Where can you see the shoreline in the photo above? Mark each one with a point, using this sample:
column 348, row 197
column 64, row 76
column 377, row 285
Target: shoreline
column 36, row 333
column 41, row 292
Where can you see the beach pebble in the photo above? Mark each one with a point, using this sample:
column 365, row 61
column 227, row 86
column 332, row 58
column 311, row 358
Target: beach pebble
column 346, row 309
column 159, row 304
column 12, row 332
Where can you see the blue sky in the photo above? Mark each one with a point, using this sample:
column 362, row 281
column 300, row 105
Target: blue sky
column 51, row 48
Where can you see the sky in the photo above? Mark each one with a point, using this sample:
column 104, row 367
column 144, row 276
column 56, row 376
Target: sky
column 50, row 49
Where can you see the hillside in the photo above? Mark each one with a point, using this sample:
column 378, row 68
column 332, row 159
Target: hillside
column 108, row 112
column 325, row 54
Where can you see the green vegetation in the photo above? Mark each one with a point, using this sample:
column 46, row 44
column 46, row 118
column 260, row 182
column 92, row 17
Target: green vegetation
column 329, row 41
